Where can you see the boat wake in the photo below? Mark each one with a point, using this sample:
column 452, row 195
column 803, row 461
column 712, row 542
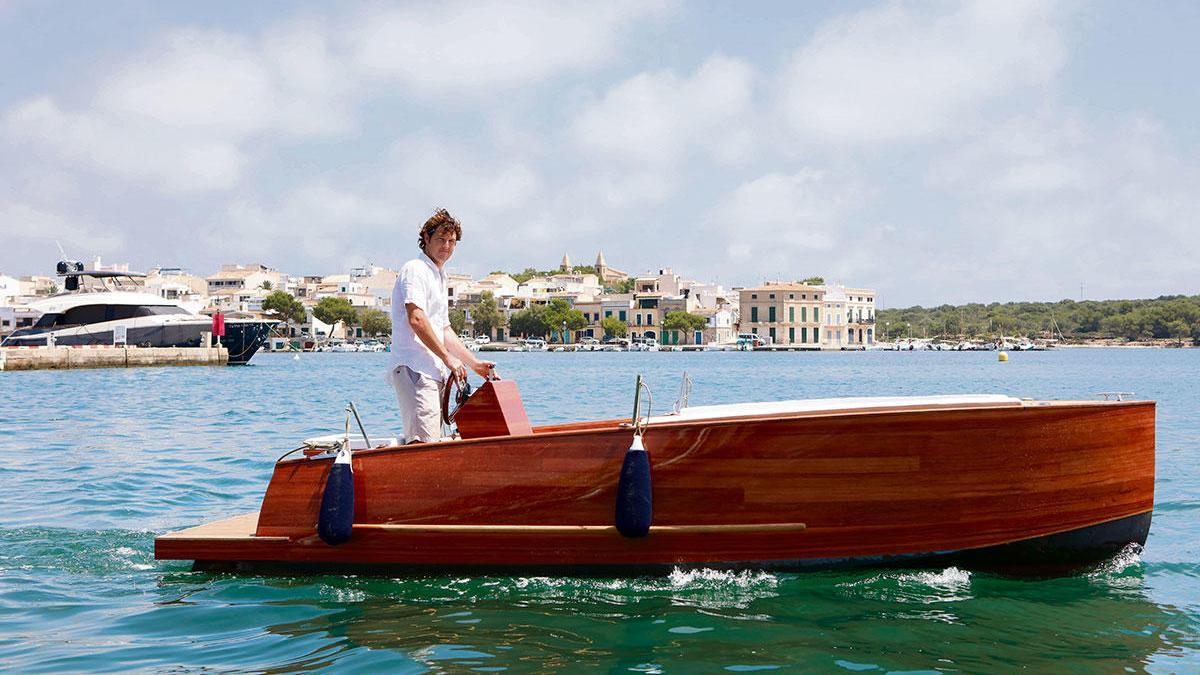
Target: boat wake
column 924, row 587
column 1127, row 560
column 711, row 579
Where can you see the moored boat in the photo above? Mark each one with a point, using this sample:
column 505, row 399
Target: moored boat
column 984, row 481
column 119, row 306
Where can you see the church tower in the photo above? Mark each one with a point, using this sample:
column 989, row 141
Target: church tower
column 565, row 266
column 601, row 267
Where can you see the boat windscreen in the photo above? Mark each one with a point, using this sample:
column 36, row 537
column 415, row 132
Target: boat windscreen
column 153, row 310
column 47, row 320
column 86, row 314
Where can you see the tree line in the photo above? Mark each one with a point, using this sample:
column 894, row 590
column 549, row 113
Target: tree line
column 550, row 320
column 1168, row 317
column 329, row 310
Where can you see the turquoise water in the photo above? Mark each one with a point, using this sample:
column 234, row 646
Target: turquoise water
column 96, row 463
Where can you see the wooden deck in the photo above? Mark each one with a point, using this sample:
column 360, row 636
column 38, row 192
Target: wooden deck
column 237, row 527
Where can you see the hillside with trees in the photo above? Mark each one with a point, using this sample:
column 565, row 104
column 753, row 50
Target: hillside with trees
column 1168, row 317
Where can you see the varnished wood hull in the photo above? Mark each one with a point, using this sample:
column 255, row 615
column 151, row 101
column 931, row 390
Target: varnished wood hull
column 1038, row 485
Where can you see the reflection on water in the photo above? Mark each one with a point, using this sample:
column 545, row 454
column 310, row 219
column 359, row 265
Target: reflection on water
column 886, row 621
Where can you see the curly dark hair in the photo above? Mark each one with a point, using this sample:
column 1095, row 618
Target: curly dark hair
column 440, row 220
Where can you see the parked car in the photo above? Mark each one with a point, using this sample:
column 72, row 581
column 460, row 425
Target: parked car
column 643, row 344
column 534, row 344
column 615, row 344
column 750, row 340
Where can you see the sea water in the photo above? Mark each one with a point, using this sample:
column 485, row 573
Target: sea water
column 95, row 463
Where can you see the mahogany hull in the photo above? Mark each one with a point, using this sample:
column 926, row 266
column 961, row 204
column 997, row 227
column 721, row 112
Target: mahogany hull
column 1028, row 485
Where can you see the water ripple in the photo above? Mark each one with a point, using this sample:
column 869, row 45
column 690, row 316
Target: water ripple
column 89, row 482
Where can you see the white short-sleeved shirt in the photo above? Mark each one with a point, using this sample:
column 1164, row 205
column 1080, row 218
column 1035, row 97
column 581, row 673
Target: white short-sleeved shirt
column 421, row 283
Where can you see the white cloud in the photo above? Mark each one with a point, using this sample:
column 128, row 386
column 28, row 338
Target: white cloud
column 141, row 152
column 654, row 118
column 1021, row 157
column 309, row 221
column 21, row 221
column 217, row 82
column 465, row 50
column 315, row 95
column 194, row 79
column 438, row 172
column 902, row 71
column 623, row 187
column 180, row 114
column 1050, row 201
column 804, row 210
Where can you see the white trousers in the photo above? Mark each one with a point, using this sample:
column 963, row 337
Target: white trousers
column 420, row 401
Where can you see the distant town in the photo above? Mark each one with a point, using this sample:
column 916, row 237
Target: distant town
column 569, row 304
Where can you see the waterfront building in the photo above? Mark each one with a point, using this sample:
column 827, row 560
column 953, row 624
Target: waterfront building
column 347, row 287
column 665, row 282
column 577, row 283
column 35, row 286
column 10, row 287
column 14, row 313
column 849, row 319
column 14, row 316
column 647, row 315
column 783, row 313
column 458, row 286
column 244, row 277
column 178, row 285
column 702, row 295
column 306, row 286
column 618, row 305
column 592, row 310
column 238, row 301
column 720, row 327
column 697, row 293
column 378, row 282
column 499, row 283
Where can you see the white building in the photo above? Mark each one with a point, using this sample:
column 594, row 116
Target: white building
column 720, row 325
column 377, row 282
column 10, row 287
column 177, row 285
column 232, row 300
column 848, row 321
column 14, row 313
column 244, row 277
column 665, row 282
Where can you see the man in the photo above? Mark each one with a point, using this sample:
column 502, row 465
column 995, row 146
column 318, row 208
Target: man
column 425, row 350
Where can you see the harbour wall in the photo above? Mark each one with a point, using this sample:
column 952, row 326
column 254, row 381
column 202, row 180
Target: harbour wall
column 105, row 356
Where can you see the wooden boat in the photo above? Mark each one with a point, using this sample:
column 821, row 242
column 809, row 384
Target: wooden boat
column 986, row 482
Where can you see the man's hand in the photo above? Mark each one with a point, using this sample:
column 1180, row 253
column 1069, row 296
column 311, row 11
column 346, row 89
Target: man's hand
column 483, row 368
column 457, row 370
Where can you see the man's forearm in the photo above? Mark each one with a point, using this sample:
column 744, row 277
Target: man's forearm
column 421, row 327
column 456, row 347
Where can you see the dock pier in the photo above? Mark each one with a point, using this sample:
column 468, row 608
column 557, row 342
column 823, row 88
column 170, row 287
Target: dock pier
column 108, row 356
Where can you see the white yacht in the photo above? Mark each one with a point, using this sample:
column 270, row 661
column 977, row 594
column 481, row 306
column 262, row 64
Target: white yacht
column 93, row 314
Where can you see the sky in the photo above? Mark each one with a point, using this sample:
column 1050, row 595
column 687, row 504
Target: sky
column 939, row 152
